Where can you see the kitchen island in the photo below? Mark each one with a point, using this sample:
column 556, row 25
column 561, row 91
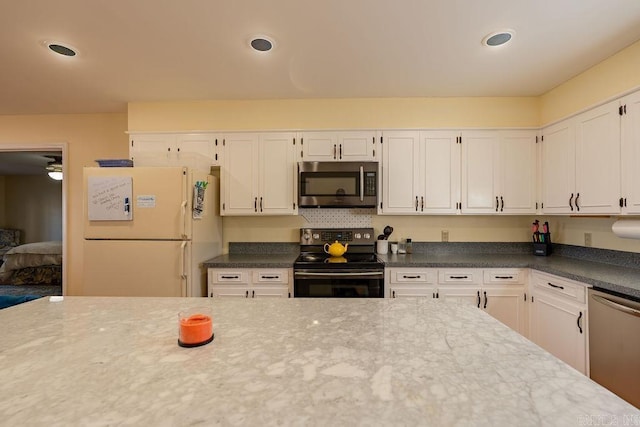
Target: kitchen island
column 114, row 361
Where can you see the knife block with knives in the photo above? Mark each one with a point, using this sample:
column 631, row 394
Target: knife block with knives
column 541, row 239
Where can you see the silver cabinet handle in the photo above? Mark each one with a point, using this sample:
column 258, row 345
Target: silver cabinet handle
column 617, row 306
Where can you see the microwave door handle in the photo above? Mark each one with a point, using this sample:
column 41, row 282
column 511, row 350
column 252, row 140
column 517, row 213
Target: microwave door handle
column 362, row 183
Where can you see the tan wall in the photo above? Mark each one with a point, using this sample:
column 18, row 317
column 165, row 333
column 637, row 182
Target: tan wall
column 88, row 137
column 369, row 113
column 33, row 204
column 614, row 76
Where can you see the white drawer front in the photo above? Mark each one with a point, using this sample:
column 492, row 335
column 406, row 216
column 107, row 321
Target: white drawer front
column 269, row 276
column 229, row 276
column 509, row 276
column 463, row 276
column 414, row 276
column 559, row 286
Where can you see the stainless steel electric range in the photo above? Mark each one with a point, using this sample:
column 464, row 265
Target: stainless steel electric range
column 355, row 274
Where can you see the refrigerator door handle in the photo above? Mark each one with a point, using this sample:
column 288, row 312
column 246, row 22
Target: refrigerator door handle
column 184, row 219
column 183, row 275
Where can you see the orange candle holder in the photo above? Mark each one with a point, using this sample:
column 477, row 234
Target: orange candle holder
column 195, row 327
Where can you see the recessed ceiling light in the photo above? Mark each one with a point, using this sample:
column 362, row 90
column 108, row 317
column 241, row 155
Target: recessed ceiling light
column 261, row 44
column 498, row 38
column 61, row 49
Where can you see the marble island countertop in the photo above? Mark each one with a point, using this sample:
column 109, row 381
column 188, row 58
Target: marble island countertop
column 115, row 361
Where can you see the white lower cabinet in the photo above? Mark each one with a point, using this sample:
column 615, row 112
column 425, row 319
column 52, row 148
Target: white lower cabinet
column 498, row 292
column 250, row 283
column 559, row 318
column 411, row 282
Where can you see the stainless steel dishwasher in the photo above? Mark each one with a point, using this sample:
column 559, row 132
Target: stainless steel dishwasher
column 614, row 344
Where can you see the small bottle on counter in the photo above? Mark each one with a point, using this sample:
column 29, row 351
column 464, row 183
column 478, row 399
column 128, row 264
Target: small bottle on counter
column 402, row 246
column 408, row 246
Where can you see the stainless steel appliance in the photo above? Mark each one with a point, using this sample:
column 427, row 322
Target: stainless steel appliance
column 337, row 184
column 614, row 347
column 356, row 274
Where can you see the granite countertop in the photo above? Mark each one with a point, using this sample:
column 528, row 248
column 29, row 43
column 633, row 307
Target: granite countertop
column 115, row 361
column 624, row 280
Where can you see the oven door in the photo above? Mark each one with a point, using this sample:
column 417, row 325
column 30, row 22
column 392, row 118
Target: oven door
column 338, row 284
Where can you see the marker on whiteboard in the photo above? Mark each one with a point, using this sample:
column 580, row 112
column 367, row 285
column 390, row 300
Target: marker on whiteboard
column 127, row 209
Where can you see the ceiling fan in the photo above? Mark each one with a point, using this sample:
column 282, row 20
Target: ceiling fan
column 54, row 168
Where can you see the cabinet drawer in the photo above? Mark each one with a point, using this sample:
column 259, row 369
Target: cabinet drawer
column 404, row 275
column 269, row 276
column 508, row 276
column 229, row 276
column 466, row 276
column 565, row 288
column 412, row 290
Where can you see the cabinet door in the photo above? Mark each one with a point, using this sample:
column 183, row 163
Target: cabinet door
column 558, row 168
column 237, row 291
column 262, row 291
column 161, row 144
column 464, row 294
column 400, row 172
column 506, row 303
column 356, row 146
column 319, row 146
column 240, row 175
column 598, row 160
column 203, row 144
column 479, row 163
column 560, row 328
column 439, row 172
column 277, row 186
column 517, row 172
column 400, row 291
column 631, row 153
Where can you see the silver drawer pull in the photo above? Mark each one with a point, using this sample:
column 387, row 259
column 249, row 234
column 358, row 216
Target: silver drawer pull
column 555, row 286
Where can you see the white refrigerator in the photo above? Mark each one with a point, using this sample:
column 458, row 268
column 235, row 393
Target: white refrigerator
column 147, row 231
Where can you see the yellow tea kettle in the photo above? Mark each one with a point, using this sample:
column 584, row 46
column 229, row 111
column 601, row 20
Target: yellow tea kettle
column 336, row 248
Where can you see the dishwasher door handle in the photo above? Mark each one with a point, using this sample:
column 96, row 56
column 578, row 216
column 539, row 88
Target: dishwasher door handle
column 617, row 306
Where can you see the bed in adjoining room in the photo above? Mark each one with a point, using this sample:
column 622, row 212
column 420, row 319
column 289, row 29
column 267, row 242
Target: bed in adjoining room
column 32, row 269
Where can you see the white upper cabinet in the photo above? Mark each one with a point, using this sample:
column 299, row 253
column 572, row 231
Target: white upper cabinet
column 258, row 174
column 420, row 172
column 558, row 167
column 630, row 109
column 598, row 160
column 581, row 163
column 338, row 146
column 168, row 149
column 499, row 172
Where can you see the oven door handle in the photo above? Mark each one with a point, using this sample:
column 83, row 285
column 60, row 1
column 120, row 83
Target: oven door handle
column 367, row 274
column 362, row 183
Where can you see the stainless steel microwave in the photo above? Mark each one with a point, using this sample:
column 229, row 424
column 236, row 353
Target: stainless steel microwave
column 337, row 184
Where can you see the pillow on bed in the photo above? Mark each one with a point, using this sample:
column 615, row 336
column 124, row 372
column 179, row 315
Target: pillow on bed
column 33, row 255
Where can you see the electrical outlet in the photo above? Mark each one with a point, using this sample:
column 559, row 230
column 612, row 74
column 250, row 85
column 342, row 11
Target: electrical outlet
column 445, row 235
column 587, row 239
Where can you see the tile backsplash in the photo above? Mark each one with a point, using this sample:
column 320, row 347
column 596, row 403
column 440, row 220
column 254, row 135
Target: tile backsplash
column 337, row 218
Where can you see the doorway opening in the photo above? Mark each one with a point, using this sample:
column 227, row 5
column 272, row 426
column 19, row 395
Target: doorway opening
column 33, row 210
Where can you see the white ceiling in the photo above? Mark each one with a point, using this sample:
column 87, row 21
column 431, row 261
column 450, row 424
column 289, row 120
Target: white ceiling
column 26, row 162
column 168, row 50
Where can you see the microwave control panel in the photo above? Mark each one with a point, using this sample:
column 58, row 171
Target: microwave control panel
column 370, row 183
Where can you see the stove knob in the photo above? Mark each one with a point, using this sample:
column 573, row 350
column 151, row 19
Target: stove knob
column 367, row 236
column 357, row 236
column 316, row 236
column 306, row 236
